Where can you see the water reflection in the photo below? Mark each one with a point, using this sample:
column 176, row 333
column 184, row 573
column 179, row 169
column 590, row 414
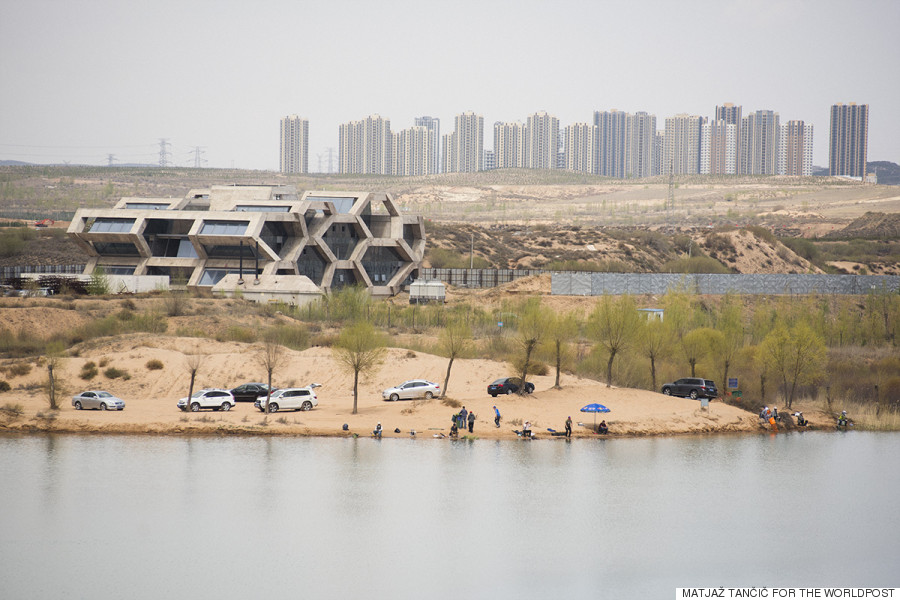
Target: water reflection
column 232, row 518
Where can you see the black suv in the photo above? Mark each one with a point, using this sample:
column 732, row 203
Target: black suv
column 509, row 385
column 249, row 392
column 691, row 386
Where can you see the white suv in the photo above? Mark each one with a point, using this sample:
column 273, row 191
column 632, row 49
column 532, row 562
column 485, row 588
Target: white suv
column 214, row 399
column 290, row 399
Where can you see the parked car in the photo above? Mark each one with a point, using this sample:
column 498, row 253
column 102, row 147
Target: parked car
column 693, row 387
column 249, row 392
column 97, row 399
column 214, row 399
column 290, row 399
column 509, row 385
column 414, row 388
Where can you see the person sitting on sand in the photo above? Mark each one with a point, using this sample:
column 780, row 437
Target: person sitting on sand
column 454, row 430
column 602, row 428
column 801, row 420
column 377, row 432
column 844, row 420
column 526, row 429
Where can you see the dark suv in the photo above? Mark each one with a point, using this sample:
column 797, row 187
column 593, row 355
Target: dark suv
column 691, row 386
column 509, row 385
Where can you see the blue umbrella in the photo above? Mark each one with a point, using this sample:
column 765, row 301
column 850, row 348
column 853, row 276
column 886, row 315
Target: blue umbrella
column 595, row 408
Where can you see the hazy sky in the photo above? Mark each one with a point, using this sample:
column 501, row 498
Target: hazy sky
column 82, row 79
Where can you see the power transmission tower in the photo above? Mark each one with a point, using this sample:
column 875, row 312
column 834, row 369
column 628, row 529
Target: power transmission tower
column 320, row 162
column 330, row 159
column 198, row 162
column 164, row 152
column 111, row 158
column 670, row 197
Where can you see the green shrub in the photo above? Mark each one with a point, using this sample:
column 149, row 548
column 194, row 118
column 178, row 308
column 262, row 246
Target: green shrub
column 116, row 373
column 88, row 371
column 441, row 258
column 18, row 369
column 237, row 334
column 4, row 386
column 295, row 337
column 694, row 264
column 11, row 410
column 154, row 364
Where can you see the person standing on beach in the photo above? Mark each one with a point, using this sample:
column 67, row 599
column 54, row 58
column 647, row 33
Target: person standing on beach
column 569, row 427
column 471, row 422
column 463, row 415
column 497, row 417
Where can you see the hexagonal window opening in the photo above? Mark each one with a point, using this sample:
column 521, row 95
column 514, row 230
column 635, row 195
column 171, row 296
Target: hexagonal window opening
column 342, row 238
column 381, row 264
column 343, row 278
column 312, row 264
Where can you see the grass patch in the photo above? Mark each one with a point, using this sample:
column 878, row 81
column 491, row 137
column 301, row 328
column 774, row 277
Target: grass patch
column 116, row 373
column 12, row 411
column 88, row 371
column 154, row 364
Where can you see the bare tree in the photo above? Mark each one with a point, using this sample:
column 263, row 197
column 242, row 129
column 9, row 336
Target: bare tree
column 359, row 350
column 270, row 357
column 455, row 340
column 55, row 385
column 192, row 365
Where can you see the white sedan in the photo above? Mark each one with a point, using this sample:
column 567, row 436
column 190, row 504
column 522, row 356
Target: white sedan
column 97, row 399
column 214, row 399
column 409, row 390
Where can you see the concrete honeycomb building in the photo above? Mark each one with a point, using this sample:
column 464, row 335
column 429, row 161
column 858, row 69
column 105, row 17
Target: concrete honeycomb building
column 267, row 237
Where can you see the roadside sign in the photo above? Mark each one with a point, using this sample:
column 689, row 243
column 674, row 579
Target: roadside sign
column 733, row 382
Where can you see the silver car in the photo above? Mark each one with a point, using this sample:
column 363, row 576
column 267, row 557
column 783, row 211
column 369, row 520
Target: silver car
column 97, row 399
column 408, row 390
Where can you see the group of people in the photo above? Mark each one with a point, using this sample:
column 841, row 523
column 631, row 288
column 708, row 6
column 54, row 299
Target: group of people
column 462, row 420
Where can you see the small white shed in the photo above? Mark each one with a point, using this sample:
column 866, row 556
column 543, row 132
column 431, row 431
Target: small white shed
column 421, row 292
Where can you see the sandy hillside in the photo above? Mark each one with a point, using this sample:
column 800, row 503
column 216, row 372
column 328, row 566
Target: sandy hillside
column 151, row 396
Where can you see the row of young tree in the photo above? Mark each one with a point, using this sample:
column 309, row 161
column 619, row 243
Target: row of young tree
column 776, row 344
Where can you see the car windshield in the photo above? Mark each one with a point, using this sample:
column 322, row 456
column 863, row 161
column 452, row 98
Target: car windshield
column 499, row 381
column 710, row 383
column 104, row 395
column 199, row 394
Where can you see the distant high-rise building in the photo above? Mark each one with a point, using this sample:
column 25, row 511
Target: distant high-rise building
column 610, row 153
column 294, row 145
column 580, row 144
column 731, row 114
column 849, row 141
column 760, row 135
column 542, row 141
column 489, row 162
column 640, row 131
column 365, row 146
column 682, row 144
column 509, row 145
column 659, row 149
column 466, row 144
column 719, row 155
column 413, row 151
column 433, row 124
column 795, row 149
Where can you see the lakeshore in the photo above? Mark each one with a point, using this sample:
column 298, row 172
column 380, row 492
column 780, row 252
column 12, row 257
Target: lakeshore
column 151, row 395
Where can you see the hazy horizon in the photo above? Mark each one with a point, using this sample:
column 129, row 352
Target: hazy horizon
column 88, row 78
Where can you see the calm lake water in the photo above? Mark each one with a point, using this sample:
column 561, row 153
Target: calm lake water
column 145, row 517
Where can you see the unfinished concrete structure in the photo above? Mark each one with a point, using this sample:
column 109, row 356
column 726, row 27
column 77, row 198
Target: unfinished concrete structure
column 269, row 236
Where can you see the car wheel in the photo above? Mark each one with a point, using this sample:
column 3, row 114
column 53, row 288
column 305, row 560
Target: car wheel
column 429, row 395
column 77, row 405
column 693, row 394
column 273, row 407
column 307, row 405
column 226, row 406
column 395, row 397
column 529, row 389
column 103, row 406
column 509, row 391
column 493, row 395
column 195, row 406
column 667, row 391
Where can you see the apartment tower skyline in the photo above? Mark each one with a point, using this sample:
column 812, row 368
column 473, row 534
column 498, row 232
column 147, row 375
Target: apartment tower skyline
column 294, row 145
column 849, row 140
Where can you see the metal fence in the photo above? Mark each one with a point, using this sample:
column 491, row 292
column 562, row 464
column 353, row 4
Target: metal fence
column 14, row 272
column 477, row 278
column 597, row 284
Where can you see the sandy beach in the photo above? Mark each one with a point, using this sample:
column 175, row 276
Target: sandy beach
column 151, row 396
